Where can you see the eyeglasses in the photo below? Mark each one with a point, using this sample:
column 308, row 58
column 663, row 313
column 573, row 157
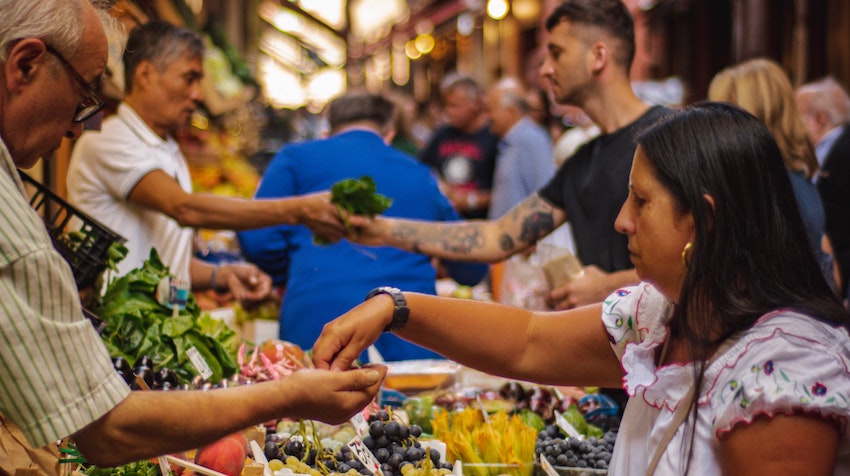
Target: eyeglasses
column 91, row 104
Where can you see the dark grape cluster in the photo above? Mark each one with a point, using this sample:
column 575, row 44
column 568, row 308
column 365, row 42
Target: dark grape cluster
column 162, row 379
column 572, row 452
column 394, row 445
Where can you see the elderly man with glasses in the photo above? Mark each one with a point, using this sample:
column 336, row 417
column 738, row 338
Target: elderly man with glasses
column 56, row 377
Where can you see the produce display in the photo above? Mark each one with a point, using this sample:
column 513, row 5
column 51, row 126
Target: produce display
column 138, row 325
column 505, row 442
column 503, row 429
column 393, row 444
column 563, row 451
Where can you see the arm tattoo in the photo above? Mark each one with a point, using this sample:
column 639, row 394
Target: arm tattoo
column 536, row 226
column 531, row 221
column 458, row 238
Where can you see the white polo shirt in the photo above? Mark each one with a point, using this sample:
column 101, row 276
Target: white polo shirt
column 105, row 167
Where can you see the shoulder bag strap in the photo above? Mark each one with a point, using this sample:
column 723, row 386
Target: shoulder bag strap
column 681, row 412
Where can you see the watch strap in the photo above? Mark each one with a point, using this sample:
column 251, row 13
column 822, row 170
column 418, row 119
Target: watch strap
column 400, row 313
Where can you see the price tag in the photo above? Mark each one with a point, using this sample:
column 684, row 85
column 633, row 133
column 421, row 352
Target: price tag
column 566, row 426
column 172, row 293
column 360, row 425
column 198, row 361
column 365, row 456
column 547, row 467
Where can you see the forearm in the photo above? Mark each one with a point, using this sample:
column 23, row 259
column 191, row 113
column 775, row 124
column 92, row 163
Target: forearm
column 180, row 420
column 472, row 240
column 477, row 240
column 232, row 213
column 515, row 343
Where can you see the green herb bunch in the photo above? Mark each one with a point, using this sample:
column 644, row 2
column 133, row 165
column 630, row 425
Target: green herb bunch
column 356, row 197
column 138, row 325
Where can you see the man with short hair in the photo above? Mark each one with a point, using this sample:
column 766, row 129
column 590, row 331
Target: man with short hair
column 323, row 281
column 56, row 376
column 825, row 107
column 463, row 150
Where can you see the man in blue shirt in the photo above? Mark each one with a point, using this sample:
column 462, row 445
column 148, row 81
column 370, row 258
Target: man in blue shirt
column 323, row 281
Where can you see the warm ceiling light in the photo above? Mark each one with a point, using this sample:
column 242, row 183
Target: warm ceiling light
column 497, row 9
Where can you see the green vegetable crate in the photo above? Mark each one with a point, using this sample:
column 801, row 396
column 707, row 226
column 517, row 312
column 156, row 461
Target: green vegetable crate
column 80, row 239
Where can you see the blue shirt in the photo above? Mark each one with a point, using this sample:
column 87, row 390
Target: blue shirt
column 524, row 163
column 323, row 282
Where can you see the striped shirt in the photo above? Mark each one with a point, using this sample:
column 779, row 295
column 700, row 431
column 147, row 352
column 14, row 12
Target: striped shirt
column 55, row 372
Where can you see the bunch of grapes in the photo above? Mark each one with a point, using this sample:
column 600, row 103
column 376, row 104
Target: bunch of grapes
column 572, row 452
column 395, row 446
column 162, row 379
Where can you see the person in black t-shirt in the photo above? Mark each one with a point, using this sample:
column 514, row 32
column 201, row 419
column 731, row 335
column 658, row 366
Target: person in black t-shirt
column 590, row 50
column 463, row 151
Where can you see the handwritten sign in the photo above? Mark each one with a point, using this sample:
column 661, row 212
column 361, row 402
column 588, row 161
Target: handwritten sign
column 365, row 456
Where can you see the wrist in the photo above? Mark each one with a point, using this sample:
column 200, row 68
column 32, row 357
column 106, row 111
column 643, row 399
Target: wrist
column 217, row 276
column 400, row 311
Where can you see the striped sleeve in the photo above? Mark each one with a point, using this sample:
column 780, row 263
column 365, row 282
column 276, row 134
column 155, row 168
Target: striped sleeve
column 55, row 372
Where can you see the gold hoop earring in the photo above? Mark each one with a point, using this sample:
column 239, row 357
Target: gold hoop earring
column 688, row 247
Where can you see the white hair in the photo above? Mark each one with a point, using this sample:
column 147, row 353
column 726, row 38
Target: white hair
column 828, row 97
column 57, row 22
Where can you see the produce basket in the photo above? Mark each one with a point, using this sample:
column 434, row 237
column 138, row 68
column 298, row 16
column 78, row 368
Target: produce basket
column 80, row 239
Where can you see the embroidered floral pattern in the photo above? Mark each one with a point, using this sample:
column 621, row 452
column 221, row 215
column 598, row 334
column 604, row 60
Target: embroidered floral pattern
column 621, row 328
column 778, row 384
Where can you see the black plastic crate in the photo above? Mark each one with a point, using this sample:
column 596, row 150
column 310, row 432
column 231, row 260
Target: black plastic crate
column 86, row 255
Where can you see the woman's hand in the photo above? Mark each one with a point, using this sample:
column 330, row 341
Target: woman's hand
column 343, row 339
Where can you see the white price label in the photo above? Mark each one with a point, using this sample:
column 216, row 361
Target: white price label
column 547, row 467
column 360, row 425
column 365, row 456
column 566, row 426
column 198, row 361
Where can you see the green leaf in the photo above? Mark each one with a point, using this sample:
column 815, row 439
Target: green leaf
column 176, row 326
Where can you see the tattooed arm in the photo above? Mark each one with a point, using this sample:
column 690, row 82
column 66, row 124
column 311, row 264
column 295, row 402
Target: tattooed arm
column 473, row 240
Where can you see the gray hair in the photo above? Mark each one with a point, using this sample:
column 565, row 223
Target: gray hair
column 467, row 84
column 828, row 97
column 57, row 22
column 511, row 94
column 161, row 44
column 361, row 106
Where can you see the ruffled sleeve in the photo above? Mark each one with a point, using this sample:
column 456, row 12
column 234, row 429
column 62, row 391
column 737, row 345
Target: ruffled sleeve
column 787, row 364
column 634, row 314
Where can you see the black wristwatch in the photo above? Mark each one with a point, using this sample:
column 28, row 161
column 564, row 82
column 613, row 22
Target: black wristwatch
column 400, row 313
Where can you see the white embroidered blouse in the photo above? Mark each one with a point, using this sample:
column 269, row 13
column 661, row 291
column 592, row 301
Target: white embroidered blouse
column 787, row 363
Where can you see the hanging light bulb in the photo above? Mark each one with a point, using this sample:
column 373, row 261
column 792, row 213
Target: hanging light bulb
column 497, row 9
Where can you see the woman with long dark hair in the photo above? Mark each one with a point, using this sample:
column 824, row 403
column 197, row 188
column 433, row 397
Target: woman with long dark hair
column 733, row 349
